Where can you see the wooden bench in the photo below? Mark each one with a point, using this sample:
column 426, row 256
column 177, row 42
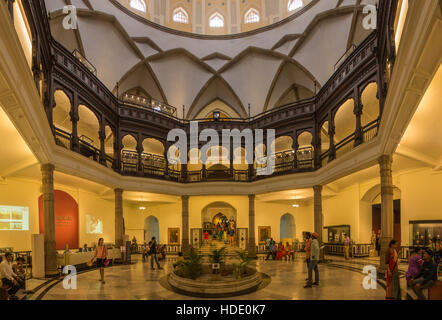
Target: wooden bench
column 435, row 292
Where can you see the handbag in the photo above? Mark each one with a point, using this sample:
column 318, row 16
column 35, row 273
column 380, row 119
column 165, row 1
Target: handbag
column 105, row 261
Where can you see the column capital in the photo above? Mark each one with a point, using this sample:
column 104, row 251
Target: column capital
column 317, row 188
column 118, row 191
column 252, row 196
column 47, row 167
column 385, row 160
column 185, row 198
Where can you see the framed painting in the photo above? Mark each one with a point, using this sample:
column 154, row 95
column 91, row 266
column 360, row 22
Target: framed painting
column 264, row 233
column 173, row 236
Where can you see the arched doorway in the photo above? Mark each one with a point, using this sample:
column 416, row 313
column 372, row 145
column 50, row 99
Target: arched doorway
column 217, row 217
column 287, row 228
column 151, row 229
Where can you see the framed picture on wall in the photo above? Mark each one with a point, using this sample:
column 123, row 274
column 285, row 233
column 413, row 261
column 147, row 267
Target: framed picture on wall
column 264, row 233
column 173, row 236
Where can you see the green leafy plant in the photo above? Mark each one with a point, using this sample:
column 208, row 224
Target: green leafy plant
column 191, row 266
column 240, row 269
column 218, row 256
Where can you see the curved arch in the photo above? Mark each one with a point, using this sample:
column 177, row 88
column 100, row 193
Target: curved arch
column 88, row 126
column 212, row 209
column 252, row 16
column 151, row 228
column 344, row 120
column 129, row 142
column 292, row 5
column 180, row 15
column 153, row 146
column 139, row 5
column 370, row 104
column 216, row 20
column 61, row 111
column 374, row 192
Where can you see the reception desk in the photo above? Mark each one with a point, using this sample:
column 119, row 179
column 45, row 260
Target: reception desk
column 78, row 258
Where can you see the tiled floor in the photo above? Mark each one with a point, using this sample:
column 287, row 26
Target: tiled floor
column 138, row 282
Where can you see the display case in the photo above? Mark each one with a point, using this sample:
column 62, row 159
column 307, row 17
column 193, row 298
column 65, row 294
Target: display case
column 335, row 234
column 422, row 231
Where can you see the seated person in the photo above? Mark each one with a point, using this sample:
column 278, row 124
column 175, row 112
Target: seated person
column 427, row 276
column 414, row 265
column 85, row 248
column 5, row 286
column 19, row 270
column 280, row 251
column 7, row 272
column 161, row 252
column 290, row 253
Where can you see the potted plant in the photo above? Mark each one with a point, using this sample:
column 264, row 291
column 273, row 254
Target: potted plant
column 217, row 260
column 240, row 269
column 191, row 266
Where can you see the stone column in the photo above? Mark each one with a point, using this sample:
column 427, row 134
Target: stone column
column 102, row 136
column 47, row 174
column 74, row 119
column 252, row 242
column 185, row 223
column 318, row 223
column 119, row 229
column 295, row 147
column 387, row 214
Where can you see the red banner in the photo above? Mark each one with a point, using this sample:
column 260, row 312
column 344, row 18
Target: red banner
column 66, row 220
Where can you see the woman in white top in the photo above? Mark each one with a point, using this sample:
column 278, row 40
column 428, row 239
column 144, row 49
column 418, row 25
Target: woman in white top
column 101, row 255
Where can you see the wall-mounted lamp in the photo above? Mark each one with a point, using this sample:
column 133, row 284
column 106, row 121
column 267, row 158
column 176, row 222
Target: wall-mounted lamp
column 295, row 205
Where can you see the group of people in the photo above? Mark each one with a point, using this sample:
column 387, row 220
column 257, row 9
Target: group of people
column 12, row 276
column 422, row 270
column 155, row 251
column 225, row 231
column 279, row 252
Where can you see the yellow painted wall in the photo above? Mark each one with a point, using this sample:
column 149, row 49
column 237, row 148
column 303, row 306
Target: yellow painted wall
column 25, row 193
column 421, row 198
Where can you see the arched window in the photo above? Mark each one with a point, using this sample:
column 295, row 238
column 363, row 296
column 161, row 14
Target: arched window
column 252, row 16
column 294, row 4
column 138, row 5
column 216, row 20
column 180, row 15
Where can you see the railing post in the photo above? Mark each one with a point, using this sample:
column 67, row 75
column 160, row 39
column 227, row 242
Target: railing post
column 359, row 139
column 74, row 119
column 331, row 132
column 295, row 147
column 140, row 150
column 102, row 136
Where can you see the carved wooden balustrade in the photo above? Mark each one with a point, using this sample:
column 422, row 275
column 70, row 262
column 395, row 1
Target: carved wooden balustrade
column 63, row 70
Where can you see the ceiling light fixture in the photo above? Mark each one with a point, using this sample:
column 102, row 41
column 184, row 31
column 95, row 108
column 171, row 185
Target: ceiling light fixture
column 142, row 208
column 295, row 205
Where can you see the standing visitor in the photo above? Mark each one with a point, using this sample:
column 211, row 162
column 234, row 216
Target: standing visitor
column 414, row 266
column 101, row 255
column 308, row 246
column 153, row 254
column 393, row 291
column 289, row 253
column 232, row 237
column 378, row 243
column 347, row 246
column 314, row 260
column 427, row 277
column 145, row 251
column 206, row 237
column 269, row 243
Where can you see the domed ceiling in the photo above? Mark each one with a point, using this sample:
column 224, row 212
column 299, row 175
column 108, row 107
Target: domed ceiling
column 266, row 67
